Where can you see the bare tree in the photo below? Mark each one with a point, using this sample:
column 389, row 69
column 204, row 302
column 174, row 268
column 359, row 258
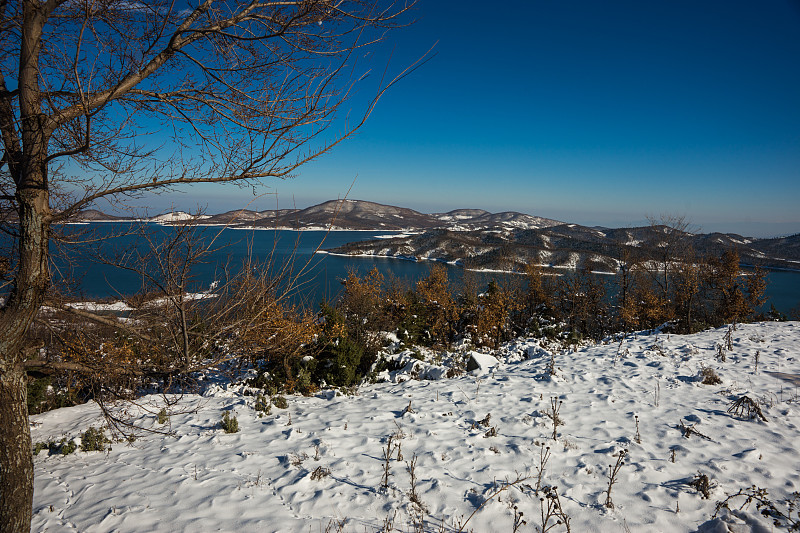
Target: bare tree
column 101, row 99
column 669, row 243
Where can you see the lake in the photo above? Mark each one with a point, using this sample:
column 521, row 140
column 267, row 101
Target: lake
column 324, row 272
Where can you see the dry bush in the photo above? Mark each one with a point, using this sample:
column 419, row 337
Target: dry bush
column 709, row 377
column 494, row 312
column 436, row 296
column 745, row 407
column 702, row 484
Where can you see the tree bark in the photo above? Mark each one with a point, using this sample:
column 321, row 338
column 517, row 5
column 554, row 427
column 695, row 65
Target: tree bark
column 16, row 458
column 33, row 277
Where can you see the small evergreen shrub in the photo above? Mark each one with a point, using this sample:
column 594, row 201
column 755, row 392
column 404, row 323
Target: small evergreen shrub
column 230, row 425
column 63, row 447
column 68, row 447
column 280, row 402
column 44, row 395
column 340, row 362
column 39, row 446
column 262, row 405
column 162, row 417
column 93, row 440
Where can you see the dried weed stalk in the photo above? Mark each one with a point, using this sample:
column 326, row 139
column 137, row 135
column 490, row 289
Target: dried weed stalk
column 744, row 407
column 552, row 414
column 613, row 471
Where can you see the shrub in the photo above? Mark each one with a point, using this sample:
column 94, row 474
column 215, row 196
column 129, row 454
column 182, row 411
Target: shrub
column 784, row 513
column 280, row 402
column 93, row 440
column 320, row 473
column 340, row 362
column 68, row 447
column 63, row 447
column 39, row 446
column 44, row 396
column 263, row 405
column 744, row 407
column 230, row 425
column 702, row 484
column 162, row 417
column 709, row 376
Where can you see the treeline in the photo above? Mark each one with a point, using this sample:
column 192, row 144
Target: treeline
column 681, row 297
column 168, row 341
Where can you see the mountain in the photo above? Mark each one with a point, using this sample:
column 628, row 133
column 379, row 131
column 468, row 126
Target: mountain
column 571, row 246
column 93, row 215
column 242, row 216
column 787, row 247
column 460, row 214
column 354, row 215
column 482, row 240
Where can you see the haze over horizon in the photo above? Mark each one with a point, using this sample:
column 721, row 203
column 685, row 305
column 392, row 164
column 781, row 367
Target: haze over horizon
column 597, row 114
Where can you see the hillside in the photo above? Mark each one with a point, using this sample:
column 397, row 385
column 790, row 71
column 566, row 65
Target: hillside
column 354, row 215
column 482, row 240
column 351, row 215
column 570, row 246
column 320, row 462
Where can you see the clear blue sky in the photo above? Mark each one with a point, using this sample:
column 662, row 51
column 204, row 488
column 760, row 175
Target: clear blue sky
column 592, row 112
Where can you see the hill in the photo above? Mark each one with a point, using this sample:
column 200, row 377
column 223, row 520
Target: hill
column 319, row 463
column 482, row 240
column 571, row 246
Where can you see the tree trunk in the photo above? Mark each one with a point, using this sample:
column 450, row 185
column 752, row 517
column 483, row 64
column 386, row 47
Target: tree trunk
column 30, row 285
column 16, row 458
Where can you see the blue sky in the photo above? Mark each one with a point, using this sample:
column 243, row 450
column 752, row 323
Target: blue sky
column 592, row 112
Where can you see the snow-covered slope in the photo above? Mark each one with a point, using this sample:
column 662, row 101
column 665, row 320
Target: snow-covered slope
column 321, row 459
column 176, row 216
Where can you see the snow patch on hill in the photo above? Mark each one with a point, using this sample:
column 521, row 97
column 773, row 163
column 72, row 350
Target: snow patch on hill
column 177, row 216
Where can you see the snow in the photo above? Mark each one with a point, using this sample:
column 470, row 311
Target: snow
column 481, row 363
column 177, row 216
column 262, row 478
column 121, row 306
column 118, row 306
column 395, row 235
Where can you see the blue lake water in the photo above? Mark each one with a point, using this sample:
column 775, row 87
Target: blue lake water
column 324, row 272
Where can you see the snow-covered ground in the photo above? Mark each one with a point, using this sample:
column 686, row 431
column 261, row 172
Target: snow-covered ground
column 322, row 459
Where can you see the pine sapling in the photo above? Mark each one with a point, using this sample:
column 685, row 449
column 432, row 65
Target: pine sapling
column 230, row 425
column 551, row 365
